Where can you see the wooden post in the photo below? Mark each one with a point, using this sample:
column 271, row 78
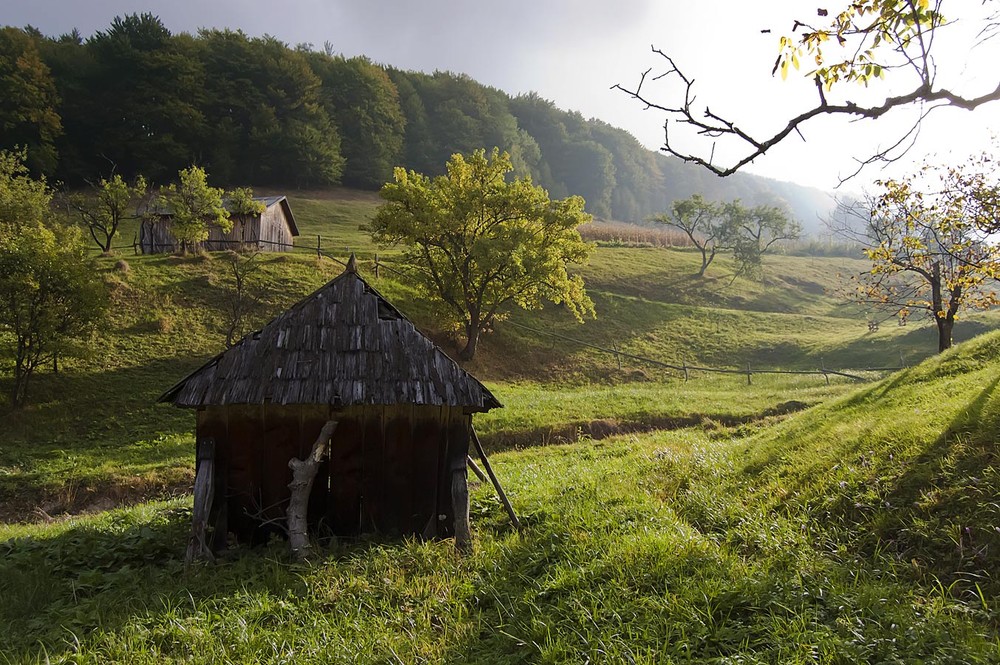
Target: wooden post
column 376, row 265
column 303, row 474
column 460, row 500
column 204, row 493
column 822, row 366
column 685, row 371
column 319, row 246
column 496, row 483
column 748, row 374
column 135, row 243
column 475, row 469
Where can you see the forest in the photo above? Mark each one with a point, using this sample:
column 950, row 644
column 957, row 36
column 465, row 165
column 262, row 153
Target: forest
column 254, row 110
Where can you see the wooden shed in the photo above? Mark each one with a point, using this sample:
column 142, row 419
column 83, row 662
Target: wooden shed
column 273, row 230
column 404, row 412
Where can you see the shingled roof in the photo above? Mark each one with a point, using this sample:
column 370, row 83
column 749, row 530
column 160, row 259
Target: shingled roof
column 343, row 345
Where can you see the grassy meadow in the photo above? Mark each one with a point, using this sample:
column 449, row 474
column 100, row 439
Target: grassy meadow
column 791, row 520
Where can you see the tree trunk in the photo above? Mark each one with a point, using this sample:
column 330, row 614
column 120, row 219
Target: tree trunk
column 945, row 326
column 303, row 474
column 707, row 260
column 472, row 342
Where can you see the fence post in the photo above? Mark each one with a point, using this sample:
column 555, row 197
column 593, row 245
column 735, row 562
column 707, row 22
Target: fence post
column 617, row 355
column 748, row 375
column 135, row 243
column 902, row 364
column 685, row 371
column 319, row 246
column 822, row 367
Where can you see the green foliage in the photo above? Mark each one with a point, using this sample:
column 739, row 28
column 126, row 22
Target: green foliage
column 107, row 205
column 751, row 232
column 240, row 201
column 746, row 232
column 857, row 531
column 483, row 244
column 863, row 38
column 24, row 201
column 49, row 294
column 704, row 224
column 926, row 236
column 28, row 115
column 194, row 205
column 364, row 103
column 155, row 122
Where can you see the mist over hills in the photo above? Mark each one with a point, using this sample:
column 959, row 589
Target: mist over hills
column 136, row 98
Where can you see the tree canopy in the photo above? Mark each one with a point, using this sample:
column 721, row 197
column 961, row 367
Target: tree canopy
column 861, row 42
column 50, row 294
column 927, row 238
column 483, row 243
column 194, row 206
column 137, row 99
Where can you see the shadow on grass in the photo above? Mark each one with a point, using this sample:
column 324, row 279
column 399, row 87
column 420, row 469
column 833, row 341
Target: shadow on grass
column 92, row 428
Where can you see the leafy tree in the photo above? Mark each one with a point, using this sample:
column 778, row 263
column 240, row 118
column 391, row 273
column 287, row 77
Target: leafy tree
column 860, row 43
column 108, row 204
column 50, row 293
column 485, row 244
column 149, row 88
column 703, row 222
column 264, row 101
column 194, row 205
column 24, row 201
column 28, row 115
column 362, row 99
column 924, row 235
column 751, row 232
column 241, row 201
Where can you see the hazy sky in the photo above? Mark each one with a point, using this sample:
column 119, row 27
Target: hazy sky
column 572, row 51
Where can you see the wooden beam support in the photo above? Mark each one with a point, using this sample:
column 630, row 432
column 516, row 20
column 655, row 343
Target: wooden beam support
column 475, row 469
column 493, row 477
column 204, row 494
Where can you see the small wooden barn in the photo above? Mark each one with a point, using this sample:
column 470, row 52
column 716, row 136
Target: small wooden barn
column 403, row 410
column 271, row 231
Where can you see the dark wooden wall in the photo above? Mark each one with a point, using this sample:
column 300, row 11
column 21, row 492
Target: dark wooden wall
column 388, row 472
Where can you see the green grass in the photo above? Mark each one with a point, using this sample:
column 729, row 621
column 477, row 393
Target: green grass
column 93, row 432
column 701, row 521
column 765, row 543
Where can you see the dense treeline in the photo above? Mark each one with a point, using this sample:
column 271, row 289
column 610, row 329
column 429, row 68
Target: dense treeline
column 135, row 98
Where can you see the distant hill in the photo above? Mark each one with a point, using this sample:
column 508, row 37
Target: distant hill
column 135, row 98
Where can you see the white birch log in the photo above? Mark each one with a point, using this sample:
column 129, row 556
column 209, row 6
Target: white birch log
column 303, row 474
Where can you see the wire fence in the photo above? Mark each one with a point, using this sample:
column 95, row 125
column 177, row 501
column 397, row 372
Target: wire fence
column 685, row 370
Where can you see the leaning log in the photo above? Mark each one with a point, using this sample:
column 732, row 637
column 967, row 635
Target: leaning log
column 303, row 474
column 204, row 494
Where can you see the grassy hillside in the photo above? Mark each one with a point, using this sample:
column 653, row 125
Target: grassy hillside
column 93, row 436
column 861, row 530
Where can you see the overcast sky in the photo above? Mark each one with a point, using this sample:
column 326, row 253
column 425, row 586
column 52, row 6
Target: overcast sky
column 572, row 52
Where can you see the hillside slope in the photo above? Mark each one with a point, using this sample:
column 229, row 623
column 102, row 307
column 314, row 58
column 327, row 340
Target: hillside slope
column 861, row 530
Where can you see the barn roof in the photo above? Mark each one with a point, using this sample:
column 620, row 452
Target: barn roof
column 283, row 202
column 343, row 345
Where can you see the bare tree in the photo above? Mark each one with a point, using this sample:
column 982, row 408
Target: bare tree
column 860, row 44
column 243, row 298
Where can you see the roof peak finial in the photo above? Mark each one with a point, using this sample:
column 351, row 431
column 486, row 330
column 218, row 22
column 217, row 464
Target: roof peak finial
column 352, row 264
